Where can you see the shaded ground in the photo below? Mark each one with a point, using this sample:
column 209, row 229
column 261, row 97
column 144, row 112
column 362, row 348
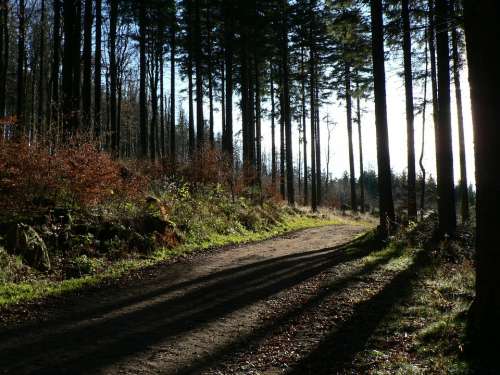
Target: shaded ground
column 304, row 304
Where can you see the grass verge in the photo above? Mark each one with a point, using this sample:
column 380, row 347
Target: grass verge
column 14, row 293
column 425, row 332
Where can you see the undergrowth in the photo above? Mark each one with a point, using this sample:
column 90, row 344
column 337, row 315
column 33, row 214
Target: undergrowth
column 11, row 293
column 72, row 216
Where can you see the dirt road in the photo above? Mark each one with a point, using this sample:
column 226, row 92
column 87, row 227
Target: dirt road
column 256, row 309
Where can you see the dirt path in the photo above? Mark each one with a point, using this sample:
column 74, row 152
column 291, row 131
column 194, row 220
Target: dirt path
column 264, row 308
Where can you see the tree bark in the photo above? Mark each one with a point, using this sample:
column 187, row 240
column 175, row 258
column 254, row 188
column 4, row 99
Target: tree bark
column 189, row 38
column 444, row 150
column 348, row 94
column 153, row 131
column 71, row 66
column 228, row 63
column 56, row 58
column 273, row 132
column 172, row 87
column 410, row 132
column 97, row 70
column 4, row 54
column 258, row 130
column 319, row 194
column 360, row 139
column 312, row 115
column 200, row 122
column 282, row 137
column 113, row 76
column 386, row 203
column 481, row 28
column 143, row 112
column 162, row 108
column 42, row 73
column 288, row 118
column 424, row 112
column 87, row 65
column 304, row 125
column 21, row 55
column 211, row 135
column 464, row 188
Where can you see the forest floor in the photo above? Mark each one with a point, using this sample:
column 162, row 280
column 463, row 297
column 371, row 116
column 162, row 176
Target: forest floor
column 329, row 300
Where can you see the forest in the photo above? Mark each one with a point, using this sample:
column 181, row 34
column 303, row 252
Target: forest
column 249, row 186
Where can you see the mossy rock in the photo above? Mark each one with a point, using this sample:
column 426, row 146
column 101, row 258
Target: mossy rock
column 26, row 242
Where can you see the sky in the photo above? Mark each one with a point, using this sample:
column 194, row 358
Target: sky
column 339, row 157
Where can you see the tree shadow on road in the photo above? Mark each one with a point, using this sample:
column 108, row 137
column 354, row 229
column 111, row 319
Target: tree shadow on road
column 86, row 346
column 336, row 352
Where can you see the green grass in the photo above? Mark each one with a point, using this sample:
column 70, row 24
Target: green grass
column 427, row 329
column 13, row 293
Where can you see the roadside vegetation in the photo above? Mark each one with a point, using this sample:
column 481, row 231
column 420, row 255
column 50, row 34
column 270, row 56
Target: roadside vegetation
column 75, row 217
column 425, row 331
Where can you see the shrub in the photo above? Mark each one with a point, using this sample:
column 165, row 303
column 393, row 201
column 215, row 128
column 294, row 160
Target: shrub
column 74, row 175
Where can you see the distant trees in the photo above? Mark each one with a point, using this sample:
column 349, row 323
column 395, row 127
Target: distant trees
column 242, row 61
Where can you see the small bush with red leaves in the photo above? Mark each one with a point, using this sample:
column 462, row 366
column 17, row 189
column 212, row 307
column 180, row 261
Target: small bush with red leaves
column 74, row 175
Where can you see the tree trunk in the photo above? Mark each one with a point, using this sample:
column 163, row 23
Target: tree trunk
column 386, row 203
column 191, row 108
column 258, row 130
column 113, row 75
column 424, row 112
column 464, row 188
column 223, row 102
column 172, row 87
column 312, row 115
column 304, row 130
column 360, row 139
column 162, row 109
column 432, row 52
column 21, row 52
column 4, row 54
column 42, row 73
column 153, row 131
column 56, row 58
column 282, row 138
column 200, row 122
column 444, row 150
column 71, row 69
column 228, row 62
column 143, row 112
column 87, row 65
column 211, row 135
column 354, row 203
column 481, row 29
column 189, row 38
column 273, row 132
column 288, row 118
column 77, row 81
column 408, row 73
column 97, row 70
column 319, row 195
